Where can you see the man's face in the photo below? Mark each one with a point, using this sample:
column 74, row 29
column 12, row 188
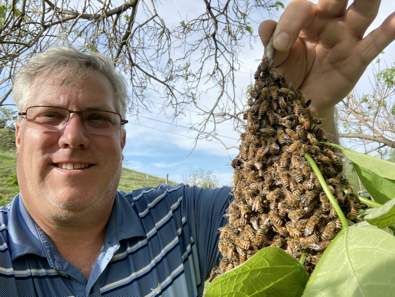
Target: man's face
column 45, row 186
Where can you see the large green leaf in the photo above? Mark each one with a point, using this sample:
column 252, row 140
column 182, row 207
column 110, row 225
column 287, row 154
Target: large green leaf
column 359, row 262
column 383, row 216
column 270, row 272
column 378, row 176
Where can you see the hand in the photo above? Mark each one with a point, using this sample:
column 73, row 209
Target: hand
column 321, row 49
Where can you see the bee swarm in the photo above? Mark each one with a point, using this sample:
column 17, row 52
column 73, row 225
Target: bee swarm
column 278, row 199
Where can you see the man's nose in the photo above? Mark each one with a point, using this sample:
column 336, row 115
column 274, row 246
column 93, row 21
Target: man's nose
column 74, row 133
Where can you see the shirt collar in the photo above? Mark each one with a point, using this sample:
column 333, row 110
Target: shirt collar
column 24, row 237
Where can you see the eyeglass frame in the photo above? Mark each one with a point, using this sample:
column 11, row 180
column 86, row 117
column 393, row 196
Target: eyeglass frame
column 79, row 112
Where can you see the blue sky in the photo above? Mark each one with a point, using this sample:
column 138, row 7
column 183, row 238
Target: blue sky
column 158, row 146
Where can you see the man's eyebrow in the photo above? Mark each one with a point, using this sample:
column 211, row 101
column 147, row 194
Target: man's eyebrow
column 94, row 107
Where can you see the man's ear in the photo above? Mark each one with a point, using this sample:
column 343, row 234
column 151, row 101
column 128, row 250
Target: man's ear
column 17, row 136
column 123, row 138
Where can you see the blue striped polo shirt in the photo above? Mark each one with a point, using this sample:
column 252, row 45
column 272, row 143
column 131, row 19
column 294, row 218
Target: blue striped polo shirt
column 159, row 242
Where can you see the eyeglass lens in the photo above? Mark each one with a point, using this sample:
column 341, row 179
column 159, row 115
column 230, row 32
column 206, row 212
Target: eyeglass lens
column 55, row 118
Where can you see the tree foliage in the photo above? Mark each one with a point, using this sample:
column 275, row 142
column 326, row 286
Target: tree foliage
column 172, row 59
column 369, row 120
column 199, row 177
column 7, row 130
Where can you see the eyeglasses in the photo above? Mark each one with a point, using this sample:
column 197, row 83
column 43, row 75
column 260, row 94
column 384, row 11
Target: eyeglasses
column 53, row 119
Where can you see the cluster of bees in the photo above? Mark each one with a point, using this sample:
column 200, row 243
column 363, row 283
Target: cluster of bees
column 279, row 201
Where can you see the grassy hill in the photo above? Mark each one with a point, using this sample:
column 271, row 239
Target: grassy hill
column 130, row 179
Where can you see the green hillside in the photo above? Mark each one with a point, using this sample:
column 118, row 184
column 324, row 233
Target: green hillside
column 130, row 179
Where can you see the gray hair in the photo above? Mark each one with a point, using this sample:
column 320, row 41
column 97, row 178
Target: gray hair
column 60, row 59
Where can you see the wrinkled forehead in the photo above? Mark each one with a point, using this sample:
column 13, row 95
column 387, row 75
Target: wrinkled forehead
column 70, row 81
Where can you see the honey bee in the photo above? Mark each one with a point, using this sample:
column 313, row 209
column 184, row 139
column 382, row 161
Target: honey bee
column 301, row 132
column 273, row 146
column 244, row 146
column 277, row 193
column 322, row 245
column 314, row 219
column 307, row 198
column 339, row 224
column 272, row 117
column 268, row 131
column 243, row 243
column 257, row 186
column 250, row 101
column 258, row 86
column 301, row 224
column 214, row 273
column 315, row 258
column 254, row 220
column 278, row 241
column 323, row 159
column 293, row 232
column 254, row 94
column 296, row 214
column 329, row 230
column 261, row 152
column 298, row 107
column 339, row 195
column 274, row 218
column 263, row 108
column 282, row 103
column 354, row 206
column 312, row 239
column 293, row 248
column 292, row 134
column 257, row 204
column 250, row 138
column 257, row 73
column 284, row 160
column 285, row 123
column 325, row 204
column 265, row 92
column 312, row 139
column 282, row 210
column 333, row 181
column 250, row 232
column 273, row 92
column 330, row 170
column 287, row 92
column 305, row 120
column 284, row 179
column 321, row 134
column 297, row 176
column 281, row 136
column 242, row 254
column 280, row 230
column 294, row 146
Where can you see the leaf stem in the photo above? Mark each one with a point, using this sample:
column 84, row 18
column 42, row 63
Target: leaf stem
column 364, row 200
column 328, row 193
column 303, row 257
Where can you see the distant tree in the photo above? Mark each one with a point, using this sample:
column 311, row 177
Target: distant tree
column 199, row 177
column 7, row 130
column 367, row 121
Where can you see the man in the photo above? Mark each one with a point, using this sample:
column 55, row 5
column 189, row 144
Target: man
column 69, row 232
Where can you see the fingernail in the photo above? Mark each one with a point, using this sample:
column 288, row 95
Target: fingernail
column 283, row 40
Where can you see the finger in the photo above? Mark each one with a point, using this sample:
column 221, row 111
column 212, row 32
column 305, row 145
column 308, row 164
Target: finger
column 297, row 15
column 265, row 30
column 360, row 15
column 332, row 8
column 373, row 44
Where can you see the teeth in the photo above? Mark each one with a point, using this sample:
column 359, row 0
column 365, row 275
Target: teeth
column 72, row 166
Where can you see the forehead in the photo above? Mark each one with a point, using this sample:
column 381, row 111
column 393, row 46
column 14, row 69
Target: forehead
column 68, row 90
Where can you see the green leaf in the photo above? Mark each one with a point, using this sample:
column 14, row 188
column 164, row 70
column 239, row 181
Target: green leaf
column 383, row 216
column 359, row 262
column 270, row 272
column 279, row 3
column 378, row 176
column 249, row 29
